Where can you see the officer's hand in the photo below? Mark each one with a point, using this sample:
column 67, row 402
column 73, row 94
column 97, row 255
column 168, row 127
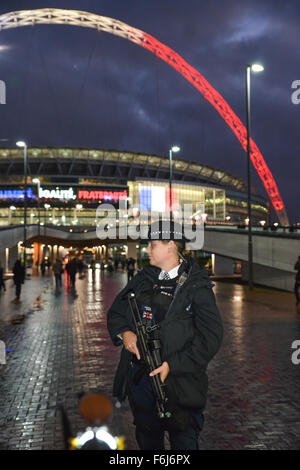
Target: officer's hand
column 129, row 341
column 163, row 370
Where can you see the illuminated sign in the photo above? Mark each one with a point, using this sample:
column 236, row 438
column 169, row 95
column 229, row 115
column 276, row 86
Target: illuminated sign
column 57, row 193
column 107, row 195
column 16, row 193
column 65, row 193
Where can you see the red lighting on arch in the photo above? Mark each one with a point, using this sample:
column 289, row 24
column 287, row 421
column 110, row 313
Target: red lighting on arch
column 198, row 81
column 118, row 28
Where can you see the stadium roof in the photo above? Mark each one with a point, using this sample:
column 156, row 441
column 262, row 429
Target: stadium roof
column 110, row 164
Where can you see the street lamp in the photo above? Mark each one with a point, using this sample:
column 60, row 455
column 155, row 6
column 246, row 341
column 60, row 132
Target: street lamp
column 23, row 144
column 175, row 149
column 47, row 206
column 38, row 183
column 249, row 68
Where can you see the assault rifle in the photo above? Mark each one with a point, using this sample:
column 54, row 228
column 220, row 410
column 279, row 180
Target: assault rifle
column 149, row 347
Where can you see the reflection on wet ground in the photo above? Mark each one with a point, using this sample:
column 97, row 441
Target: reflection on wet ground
column 60, row 348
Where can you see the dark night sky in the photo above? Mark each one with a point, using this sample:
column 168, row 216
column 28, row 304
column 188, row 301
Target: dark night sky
column 71, row 86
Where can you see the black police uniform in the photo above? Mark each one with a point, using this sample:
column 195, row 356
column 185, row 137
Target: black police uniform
column 191, row 333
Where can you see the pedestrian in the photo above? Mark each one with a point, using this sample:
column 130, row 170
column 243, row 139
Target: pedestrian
column 57, row 270
column 110, row 267
column 19, row 278
column 67, row 262
column 190, row 332
column 297, row 283
column 43, row 267
column 2, row 283
column 80, row 267
column 72, row 270
column 130, row 268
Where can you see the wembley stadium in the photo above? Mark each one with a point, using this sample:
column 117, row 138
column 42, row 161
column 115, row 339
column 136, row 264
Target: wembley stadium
column 73, row 182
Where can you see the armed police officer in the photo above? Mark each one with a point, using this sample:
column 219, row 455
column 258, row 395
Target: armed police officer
column 175, row 292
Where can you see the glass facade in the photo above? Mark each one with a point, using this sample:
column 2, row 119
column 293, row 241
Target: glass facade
column 148, row 195
column 73, row 205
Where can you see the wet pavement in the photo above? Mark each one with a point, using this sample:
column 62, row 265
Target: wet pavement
column 60, row 348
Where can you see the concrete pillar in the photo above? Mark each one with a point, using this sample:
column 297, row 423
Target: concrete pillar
column 13, row 256
column 104, row 253
column 44, row 251
column 37, row 249
column 51, row 254
column 222, row 266
column 131, row 249
column 6, row 259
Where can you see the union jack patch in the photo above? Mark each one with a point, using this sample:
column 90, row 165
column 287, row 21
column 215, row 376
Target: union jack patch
column 147, row 313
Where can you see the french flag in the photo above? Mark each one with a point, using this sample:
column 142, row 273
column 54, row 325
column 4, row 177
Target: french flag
column 156, row 198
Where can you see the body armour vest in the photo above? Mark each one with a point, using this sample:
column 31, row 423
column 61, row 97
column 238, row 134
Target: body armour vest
column 154, row 303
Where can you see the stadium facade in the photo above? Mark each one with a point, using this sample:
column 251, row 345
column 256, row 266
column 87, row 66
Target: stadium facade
column 73, row 182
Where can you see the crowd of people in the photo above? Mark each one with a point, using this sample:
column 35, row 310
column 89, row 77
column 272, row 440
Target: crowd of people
column 76, row 265
column 70, row 268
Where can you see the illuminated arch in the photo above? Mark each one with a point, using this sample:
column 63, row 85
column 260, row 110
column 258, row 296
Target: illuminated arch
column 118, row 28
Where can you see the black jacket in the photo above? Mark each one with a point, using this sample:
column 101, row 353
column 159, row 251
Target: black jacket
column 297, row 268
column 72, row 267
column 19, row 273
column 191, row 335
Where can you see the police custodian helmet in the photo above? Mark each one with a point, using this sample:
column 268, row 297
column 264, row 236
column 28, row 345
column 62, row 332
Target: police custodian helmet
column 166, row 230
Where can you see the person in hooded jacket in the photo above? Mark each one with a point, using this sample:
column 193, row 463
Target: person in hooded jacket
column 2, row 283
column 190, row 332
column 19, row 278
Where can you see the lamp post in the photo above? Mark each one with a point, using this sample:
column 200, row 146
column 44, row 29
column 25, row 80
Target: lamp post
column 47, row 206
column 175, row 148
column 38, row 183
column 249, row 68
column 23, row 144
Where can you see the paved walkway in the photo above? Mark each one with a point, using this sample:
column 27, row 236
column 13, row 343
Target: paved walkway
column 61, row 348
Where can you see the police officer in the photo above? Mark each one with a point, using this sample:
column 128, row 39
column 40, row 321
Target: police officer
column 176, row 292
